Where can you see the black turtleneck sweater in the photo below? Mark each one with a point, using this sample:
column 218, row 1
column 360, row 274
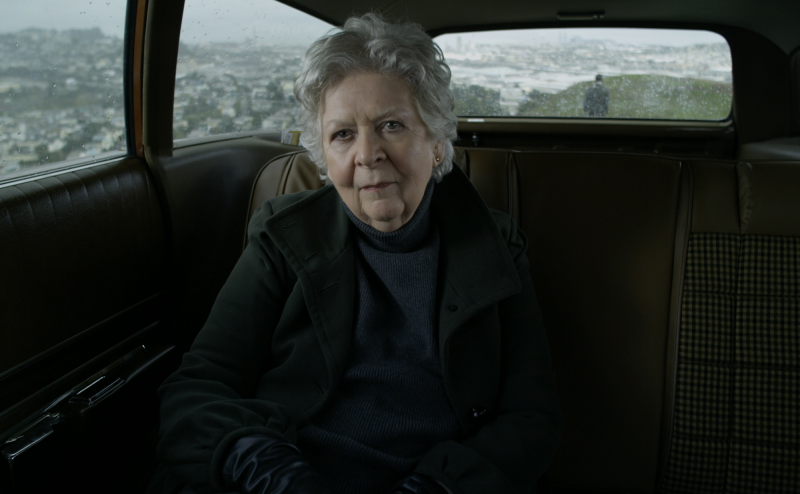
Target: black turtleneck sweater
column 390, row 406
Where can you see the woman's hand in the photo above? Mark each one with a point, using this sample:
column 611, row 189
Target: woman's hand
column 263, row 465
column 417, row 483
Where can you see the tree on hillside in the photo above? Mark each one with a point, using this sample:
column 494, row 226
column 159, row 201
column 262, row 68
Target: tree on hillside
column 533, row 100
column 274, row 91
column 476, row 101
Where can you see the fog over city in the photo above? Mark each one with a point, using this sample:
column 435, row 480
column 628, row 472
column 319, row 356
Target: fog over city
column 554, row 60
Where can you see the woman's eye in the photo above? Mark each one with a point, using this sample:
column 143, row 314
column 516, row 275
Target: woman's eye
column 342, row 134
column 392, row 125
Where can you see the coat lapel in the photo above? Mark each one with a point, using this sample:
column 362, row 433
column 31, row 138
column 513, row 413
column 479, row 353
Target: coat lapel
column 314, row 235
column 476, row 269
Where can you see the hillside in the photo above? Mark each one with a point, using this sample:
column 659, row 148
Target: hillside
column 642, row 96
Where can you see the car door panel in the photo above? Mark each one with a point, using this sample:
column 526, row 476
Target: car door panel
column 68, row 443
column 83, row 269
column 96, row 233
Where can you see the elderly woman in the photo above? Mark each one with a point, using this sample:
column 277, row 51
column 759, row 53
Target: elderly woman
column 380, row 334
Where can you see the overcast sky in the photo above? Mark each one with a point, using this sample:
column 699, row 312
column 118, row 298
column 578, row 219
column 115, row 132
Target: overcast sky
column 63, row 14
column 270, row 22
column 668, row 37
column 204, row 20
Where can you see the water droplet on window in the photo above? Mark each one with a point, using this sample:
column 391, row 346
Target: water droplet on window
column 54, row 85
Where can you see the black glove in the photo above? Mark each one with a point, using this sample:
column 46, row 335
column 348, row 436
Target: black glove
column 417, row 483
column 262, row 465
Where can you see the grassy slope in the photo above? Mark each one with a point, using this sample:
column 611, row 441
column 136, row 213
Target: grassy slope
column 646, row 96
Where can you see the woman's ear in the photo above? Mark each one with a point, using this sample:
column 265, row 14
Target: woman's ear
column 438, row 153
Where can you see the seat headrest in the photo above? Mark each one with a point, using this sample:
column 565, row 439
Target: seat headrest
column 285, row 174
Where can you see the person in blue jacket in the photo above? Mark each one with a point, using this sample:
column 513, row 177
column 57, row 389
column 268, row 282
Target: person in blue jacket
column 380, row 334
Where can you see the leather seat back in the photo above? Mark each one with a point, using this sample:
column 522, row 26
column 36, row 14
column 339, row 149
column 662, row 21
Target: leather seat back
column 602, row 231
column 293, row 172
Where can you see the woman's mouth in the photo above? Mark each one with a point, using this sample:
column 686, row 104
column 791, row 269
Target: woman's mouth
column 377, row 187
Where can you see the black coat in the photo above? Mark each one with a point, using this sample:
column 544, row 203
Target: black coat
column 277, row 339
column 595, row 102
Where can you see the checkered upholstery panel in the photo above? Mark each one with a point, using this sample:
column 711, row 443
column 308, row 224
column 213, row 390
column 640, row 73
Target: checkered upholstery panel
column 754, row 469
column 737, row 403
column 770, row 266
column 702, row 401
column 711, row 263
column 697, row 467
column 768, row 331
column 766, row 406
column 706, row 322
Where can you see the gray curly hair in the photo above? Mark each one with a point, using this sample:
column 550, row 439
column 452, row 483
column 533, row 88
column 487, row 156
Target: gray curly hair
column 370, row 44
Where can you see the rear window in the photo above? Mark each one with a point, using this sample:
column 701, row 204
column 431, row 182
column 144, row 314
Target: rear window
column 591, row 73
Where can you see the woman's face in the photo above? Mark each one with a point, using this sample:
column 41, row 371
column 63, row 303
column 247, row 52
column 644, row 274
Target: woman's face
column 380, row 157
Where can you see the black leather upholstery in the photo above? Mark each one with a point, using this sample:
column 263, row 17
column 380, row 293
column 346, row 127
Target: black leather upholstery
column 76, row 249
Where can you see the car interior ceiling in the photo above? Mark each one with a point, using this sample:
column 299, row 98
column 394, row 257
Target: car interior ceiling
column 637, row 232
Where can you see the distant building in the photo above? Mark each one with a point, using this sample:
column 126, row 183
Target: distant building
column 510, row 99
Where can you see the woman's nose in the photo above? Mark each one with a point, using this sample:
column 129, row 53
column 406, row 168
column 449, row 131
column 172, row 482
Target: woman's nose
column 369, row 149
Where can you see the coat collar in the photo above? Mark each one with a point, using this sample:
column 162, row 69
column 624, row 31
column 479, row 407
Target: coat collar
column 476, row 269
column 315, row 236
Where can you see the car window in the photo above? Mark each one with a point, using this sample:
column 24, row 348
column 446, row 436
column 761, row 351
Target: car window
column 595, row 73
column 61, row 89
column 237, row 64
